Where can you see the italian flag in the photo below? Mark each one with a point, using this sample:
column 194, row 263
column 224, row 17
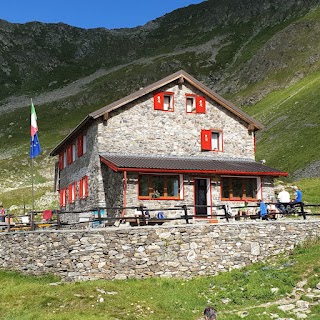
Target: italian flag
column 34, row 125
column 35, row 148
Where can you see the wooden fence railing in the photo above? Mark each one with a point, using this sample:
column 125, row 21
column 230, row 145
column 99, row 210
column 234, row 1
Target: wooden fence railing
column 100, row 217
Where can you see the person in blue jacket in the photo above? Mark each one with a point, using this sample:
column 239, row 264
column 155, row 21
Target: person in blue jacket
column 263, row 210
column 297, row 194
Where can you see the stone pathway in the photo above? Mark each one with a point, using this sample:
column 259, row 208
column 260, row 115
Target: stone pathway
column 297, row 304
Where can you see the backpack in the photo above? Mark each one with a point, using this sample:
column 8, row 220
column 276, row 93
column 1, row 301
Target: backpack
column 160, row 215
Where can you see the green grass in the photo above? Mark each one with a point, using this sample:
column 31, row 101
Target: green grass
column 231, row 293
column 289, row 141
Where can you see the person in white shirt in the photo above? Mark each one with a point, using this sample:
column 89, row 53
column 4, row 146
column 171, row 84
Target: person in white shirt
column 284, row 196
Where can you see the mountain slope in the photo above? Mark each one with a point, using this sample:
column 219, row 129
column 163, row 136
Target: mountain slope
column 261, row 55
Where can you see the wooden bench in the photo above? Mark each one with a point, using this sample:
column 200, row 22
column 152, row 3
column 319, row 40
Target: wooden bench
column 138, row 221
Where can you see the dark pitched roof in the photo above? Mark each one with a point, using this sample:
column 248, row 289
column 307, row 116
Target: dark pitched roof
column 118, row 162
column 177, row 76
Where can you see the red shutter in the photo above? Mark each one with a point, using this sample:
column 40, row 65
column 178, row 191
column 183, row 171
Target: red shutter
column 70, row 193
column 83, row 187
column 206, row 140
column 80, row 146
column 86, row 186
column 200, row 104
column 61, row 160
column 62, row 197
column 158, row 101
column 69, row 154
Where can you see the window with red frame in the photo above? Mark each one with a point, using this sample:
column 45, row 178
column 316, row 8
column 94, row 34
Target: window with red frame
column 74, row 154
column 195, row 104
column 83, row 188
column 159, row 186
column 81, row 145
column 211, row 140
column 236, row 188
column 69, row 154
column 63, row 197
column 65, row 158
column 72, row 189
column 163, row 101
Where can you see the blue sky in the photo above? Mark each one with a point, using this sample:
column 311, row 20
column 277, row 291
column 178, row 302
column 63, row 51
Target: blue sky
column 90, row 13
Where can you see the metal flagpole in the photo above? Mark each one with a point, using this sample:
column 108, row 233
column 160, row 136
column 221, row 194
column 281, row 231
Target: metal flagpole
column 32, row 194
column 35, row 150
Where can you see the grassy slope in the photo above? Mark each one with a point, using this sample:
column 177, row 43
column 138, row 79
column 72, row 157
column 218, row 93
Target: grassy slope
column 290, row 115
column 292, row 121
column 290, row 140
column 246, row 290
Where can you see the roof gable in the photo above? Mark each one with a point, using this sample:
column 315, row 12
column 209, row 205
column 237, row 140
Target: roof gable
column 179, row 77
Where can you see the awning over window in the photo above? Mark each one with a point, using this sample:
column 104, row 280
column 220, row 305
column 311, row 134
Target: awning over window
column 136, row 163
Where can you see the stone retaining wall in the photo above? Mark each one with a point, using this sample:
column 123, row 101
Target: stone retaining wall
column 157, row 251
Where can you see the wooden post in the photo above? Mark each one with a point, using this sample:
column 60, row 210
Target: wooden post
column 99, row 216
column 142, row 214
column 226, row 214
column 185, row 209
column 8, row 219
column 302, row 210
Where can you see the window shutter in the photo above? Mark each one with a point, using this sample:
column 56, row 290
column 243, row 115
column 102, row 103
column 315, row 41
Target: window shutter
column 70, row 193
column 158, row 101
column 83, row 187
column 84, row 144
column 200, row 104
column 80, row 146
column 61, row 160
column 69, row 154
column 206, row 137
column 86, row 186
column 62, row 197
column 74, row 151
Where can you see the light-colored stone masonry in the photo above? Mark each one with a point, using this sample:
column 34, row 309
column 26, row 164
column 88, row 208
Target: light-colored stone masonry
column 160, row 251
column 139, row 129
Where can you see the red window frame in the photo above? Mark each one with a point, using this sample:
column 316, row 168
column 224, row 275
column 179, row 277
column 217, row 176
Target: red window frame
column 83, row 188
column 199, row 103
column 80, row 146
column 72, row 190
column 232, row 185
column 152, row 195
column 69, row 154
column 206, row 140
column 159, row 99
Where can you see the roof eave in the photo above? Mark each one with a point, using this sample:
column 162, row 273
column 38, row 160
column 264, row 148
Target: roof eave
column 71, row 135
column 116, row 168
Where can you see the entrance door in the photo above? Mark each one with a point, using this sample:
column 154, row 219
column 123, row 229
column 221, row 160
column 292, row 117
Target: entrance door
column 202, row 196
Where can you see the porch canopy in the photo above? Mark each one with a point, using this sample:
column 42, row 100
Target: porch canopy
column 178, row 164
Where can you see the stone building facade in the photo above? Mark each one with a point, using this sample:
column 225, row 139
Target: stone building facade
column 174, row 142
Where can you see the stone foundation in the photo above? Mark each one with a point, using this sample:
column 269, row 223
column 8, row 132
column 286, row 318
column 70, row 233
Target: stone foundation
column 158, row 251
